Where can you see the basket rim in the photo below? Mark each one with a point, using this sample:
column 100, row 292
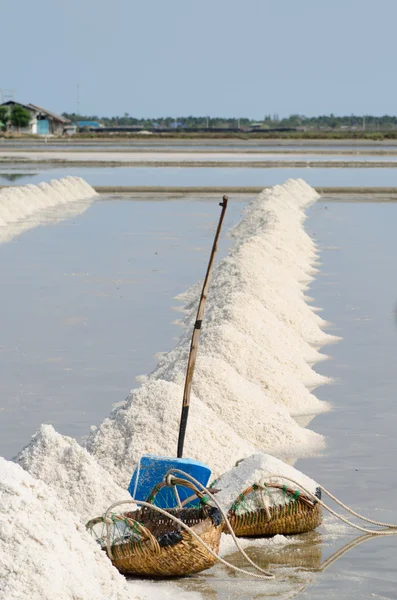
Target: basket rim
column 199, row 515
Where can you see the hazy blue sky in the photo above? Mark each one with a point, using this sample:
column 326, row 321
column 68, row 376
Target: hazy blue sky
column 215, row 57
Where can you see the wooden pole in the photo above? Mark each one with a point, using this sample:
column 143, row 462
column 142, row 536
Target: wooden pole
column 196, row 334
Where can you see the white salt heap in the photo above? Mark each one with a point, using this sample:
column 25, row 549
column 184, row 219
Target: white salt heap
column 235, row 400
column 259, row 468
column 254, row 372
column 45, row 553
column 81, row 484
column 252, row 368
column 22, row 208
column 148, row 423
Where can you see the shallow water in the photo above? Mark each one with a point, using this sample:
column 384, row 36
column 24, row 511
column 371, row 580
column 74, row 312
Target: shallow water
column 357, row 287
column 86, row 304
column 197, row 176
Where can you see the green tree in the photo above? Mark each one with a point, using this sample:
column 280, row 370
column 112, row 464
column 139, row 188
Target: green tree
column 20, row 117
column 4, row 116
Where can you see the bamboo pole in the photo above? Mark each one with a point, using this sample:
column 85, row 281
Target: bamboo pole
column 196, row 334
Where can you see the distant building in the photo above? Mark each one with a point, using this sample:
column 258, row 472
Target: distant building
column 90, row 124
column 42, row 122
column 70, row 129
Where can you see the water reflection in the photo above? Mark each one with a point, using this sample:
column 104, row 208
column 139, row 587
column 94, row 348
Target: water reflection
column 296, row 566
column 11, row 177
column 43, row 217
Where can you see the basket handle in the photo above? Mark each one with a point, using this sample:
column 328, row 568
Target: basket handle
column 170, row 481
column 252, row 488
column 132, row 524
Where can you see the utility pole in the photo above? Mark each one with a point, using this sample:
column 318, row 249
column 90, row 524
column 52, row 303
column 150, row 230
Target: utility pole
column 7, row 95
column 363, row 123
column 78, row 99
column 238, row 121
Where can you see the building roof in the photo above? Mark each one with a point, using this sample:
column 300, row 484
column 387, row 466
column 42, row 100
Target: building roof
column 88, row 124
column 47, row 113
column 13, row 103
column 39, row 110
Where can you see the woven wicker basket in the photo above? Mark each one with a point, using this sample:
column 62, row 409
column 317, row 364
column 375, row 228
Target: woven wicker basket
column 166, row 551
column 299, row 515
column 153, row 545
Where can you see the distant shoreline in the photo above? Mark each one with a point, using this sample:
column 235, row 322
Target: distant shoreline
column 320, row 138
column 203, row 164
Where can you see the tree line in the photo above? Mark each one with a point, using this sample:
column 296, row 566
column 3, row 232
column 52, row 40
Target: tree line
column 318, row 123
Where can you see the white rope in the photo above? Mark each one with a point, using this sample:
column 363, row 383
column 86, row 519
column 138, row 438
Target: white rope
column 187, row 528
column 351, row 511
column 224, row 515
column 358, row 527
column 264, row 574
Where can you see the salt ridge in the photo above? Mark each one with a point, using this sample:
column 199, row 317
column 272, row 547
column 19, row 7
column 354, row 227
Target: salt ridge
column 239, row 373
column 25, row 207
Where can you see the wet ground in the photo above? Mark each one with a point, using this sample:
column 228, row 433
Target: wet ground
column 86, row 304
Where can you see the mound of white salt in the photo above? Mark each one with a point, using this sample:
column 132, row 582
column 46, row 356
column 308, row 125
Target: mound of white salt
column 82, row 485
column 251, row 270
column 259, row 468
column 292, row 197
column 257, row 318
column 281, row 381
column 245, row 407
column 148, row 423
column 248, row 314
column 25, row 207
column 45, row 553
column 252, row 370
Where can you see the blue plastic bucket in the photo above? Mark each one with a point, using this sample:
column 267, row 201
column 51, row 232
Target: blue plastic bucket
column 151, row 470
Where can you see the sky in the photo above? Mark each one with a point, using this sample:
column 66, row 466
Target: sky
column 208, row 57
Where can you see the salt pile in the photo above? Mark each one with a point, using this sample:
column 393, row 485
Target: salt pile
column 252, row 368
column 81, row 484
column 25, row 207
column 148, row 423
column 45, row 553
column 259, row 468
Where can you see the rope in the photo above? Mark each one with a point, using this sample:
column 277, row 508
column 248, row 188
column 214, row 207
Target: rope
column 267, row 575
column 172, row 482
column 265, row 502
column 338, row 516
column 108, row 521
column 351, row 511
column 342, row 551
